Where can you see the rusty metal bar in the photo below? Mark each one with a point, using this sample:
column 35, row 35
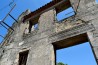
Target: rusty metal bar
column 3, row 26
column 9, row 12
column 8, row 26
column 13, row 18
column 6, row 17
column 1, row 36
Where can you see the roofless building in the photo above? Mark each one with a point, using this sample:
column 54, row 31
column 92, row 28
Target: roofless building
column 31, row 45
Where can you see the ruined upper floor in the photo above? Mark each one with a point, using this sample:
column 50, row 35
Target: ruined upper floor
column 47, row 19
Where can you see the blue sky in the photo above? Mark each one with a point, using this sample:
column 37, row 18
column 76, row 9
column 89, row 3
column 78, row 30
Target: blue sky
column 21, row 6
column 65, row 14
column 96, row 1
column 76, row 55
column 81, row 53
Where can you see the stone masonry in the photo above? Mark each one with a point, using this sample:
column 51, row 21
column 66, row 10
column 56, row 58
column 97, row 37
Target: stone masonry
column 40, row 42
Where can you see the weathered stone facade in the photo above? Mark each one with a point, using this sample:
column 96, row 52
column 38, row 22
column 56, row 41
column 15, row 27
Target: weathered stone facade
column 42, row 43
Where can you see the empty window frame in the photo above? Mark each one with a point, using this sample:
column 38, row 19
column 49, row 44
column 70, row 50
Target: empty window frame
column 36, row 26
column 33, row 27
column 33, row 24
column 65, row 14
column 23, row 57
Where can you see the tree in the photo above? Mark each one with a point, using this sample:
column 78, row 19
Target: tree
column 60, row 63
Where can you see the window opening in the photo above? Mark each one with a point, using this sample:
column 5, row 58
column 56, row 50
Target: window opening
column 32, row 27
column 65, row 14
column 36, row 26
column 23, row 57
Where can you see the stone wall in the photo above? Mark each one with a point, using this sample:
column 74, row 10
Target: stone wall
column 39, row 43
column 68, row 23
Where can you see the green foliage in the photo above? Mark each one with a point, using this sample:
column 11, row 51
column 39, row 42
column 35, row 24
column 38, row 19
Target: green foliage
column 60, row 63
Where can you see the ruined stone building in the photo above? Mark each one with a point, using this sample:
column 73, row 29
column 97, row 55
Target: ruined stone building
column 29, row 46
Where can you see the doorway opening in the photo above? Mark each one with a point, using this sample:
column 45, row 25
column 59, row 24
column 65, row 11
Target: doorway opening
column 23, row 57
column 76, row 50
